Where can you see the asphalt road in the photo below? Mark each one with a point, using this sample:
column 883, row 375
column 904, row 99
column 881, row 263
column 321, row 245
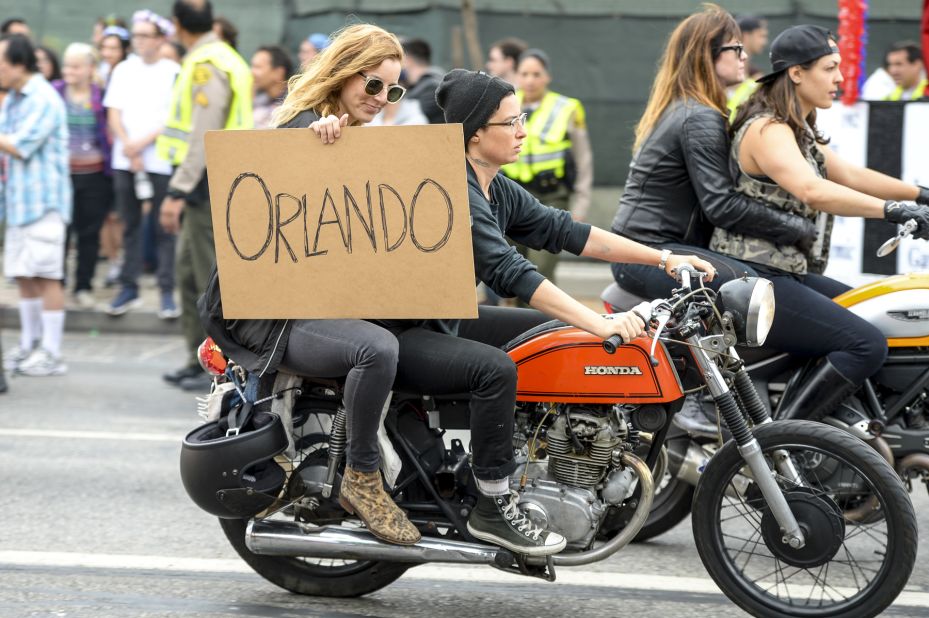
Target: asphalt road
column 96, row 522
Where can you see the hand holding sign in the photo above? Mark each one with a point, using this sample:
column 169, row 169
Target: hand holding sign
column 329, row 129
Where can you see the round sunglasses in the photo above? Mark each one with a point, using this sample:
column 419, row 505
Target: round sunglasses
column 374, row 85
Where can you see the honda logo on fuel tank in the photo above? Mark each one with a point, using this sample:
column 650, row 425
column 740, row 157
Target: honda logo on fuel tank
column 607, row 370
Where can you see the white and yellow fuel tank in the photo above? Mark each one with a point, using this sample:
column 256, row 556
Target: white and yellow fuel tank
column 897, row 305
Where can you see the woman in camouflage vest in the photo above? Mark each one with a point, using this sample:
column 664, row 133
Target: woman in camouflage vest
column 778, row 157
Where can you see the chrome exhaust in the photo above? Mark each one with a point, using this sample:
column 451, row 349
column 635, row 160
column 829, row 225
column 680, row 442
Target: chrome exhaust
column 287, row 538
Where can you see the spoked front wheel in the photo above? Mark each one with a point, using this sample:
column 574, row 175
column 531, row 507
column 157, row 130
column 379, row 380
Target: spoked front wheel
column 849, row 568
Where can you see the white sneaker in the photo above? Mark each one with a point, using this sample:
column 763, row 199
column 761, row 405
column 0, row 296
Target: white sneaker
column 12, row 360
column 41, row 363
column 85, row 300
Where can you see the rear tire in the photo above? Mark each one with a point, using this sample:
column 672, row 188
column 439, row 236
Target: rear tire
column 879, row 553
column 302, row 577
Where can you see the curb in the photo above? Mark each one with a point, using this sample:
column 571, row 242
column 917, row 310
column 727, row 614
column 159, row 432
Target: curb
column 94, row 321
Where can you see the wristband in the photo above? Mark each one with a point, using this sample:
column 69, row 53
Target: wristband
column 663, row 263
column 177, row 194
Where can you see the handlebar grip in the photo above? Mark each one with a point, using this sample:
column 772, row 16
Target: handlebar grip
column 610, row 345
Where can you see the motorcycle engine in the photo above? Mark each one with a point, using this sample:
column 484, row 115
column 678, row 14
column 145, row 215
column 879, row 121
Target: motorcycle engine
column 581, row 444
column 561, row 492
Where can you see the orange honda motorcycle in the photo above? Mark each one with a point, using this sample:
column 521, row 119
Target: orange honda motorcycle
column 770, row 511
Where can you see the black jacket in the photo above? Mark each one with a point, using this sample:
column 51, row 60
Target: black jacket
column 257, row 345
column 680, row 187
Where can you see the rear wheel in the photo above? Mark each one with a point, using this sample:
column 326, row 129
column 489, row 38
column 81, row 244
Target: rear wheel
column 324, row 577
column 849, row 568
column 670, row 507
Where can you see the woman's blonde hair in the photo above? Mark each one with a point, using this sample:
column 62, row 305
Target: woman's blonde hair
column 353, row 50
column 84, row 50
column 688, row 69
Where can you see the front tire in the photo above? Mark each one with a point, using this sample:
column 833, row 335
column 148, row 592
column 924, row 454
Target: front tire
column 322, row 578
column 853, row 569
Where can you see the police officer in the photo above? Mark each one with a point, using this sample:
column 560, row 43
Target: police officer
column 556, row 160
column 212, row 91
column 904, row 63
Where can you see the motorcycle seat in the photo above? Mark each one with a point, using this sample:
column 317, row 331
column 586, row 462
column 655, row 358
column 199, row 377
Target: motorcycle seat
column 623, row 300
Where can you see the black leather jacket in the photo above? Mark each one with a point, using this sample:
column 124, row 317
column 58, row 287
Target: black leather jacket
column 680, row 187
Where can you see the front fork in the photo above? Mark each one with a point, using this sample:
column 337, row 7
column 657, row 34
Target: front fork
column 746, row 443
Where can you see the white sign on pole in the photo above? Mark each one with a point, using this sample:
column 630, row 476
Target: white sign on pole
column 913, row 255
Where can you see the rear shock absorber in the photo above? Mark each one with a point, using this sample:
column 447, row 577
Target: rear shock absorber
column 337, row 441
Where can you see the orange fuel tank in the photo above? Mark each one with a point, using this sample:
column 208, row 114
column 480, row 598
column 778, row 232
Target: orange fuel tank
column 566, row 364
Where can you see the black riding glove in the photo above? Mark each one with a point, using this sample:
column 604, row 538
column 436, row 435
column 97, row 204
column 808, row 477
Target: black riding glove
column 806, row 234
column 901, row 212
column 923, row 197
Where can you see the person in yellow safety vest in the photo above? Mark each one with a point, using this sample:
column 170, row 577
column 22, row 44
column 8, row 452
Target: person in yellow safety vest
column 754, row 41
column 556, row 161
column 904, row 62
column 213, row 91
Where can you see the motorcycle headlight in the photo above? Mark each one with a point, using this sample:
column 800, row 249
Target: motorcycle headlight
column 750, row 302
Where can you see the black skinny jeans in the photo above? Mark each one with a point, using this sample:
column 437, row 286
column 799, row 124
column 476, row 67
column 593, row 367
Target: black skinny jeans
column 807, row 323
column 433, row 363
column 651, row 282
column 93, row 196
column 363, row 352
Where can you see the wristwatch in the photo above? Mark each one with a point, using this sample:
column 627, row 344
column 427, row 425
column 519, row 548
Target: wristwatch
column 663, row 263
column 177, row 194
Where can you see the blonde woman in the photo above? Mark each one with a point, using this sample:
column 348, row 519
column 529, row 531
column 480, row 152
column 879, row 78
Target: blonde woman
column 89, row 149
column 346, row 85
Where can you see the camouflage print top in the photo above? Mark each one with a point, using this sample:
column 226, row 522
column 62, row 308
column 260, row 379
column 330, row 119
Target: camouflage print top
column 761, row 250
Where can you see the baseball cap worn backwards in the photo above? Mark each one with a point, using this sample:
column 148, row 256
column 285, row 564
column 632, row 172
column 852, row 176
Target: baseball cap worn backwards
column 798, row 45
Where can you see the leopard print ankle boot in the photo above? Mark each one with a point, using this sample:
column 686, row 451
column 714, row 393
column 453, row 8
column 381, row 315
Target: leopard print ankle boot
column 363, row 494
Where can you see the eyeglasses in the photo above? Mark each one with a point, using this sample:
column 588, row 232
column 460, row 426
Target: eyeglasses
column 518, row 121
column 374, row 86
column 738, row 49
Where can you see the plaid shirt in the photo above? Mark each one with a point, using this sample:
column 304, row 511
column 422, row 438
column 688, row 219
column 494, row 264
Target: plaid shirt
column 34, row 120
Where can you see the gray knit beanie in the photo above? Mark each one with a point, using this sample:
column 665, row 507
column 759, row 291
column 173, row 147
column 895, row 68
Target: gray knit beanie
column 471, row 98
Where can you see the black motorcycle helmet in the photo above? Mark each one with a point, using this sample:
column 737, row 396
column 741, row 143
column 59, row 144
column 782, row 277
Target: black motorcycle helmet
column 234, row 476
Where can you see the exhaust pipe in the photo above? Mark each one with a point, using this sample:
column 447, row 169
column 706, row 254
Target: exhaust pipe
column 287, row 538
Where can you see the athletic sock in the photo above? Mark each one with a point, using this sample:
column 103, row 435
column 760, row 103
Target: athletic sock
column 30, row 317
column 53, row 326
column 499, row 487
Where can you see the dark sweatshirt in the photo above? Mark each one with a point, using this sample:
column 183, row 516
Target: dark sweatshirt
column 514, row 212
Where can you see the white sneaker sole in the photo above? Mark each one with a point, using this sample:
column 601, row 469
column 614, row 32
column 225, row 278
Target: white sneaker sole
column 543, row 550
column 59, row 370
column 125, row 308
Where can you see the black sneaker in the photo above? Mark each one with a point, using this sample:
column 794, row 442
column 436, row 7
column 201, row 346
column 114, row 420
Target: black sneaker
column 499, row 520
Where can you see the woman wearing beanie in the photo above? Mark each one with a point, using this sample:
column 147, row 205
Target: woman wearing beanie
column 347, row 84
column 442, row 357
column 783, row 162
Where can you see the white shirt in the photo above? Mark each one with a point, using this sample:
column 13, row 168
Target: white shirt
column 142, row 93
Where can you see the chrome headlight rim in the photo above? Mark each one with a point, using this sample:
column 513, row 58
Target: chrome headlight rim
column 758, row 321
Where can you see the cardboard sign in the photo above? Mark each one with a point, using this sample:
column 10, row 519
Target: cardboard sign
column 376, row 225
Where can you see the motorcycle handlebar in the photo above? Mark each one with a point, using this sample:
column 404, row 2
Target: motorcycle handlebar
column 610, row 345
